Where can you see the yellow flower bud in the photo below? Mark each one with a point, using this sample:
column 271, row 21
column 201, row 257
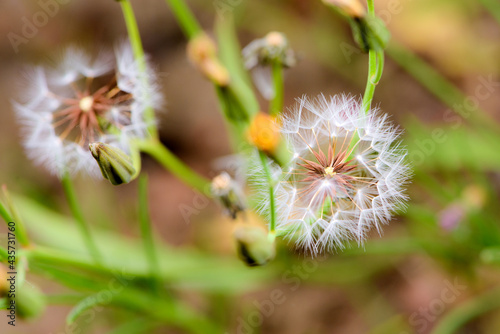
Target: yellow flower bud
column 264, row 133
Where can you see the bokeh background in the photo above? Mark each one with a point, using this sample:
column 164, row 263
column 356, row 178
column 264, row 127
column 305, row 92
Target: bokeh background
column 439, row 257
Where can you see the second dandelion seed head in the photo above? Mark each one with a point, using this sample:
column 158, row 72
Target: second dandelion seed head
column 346, row 175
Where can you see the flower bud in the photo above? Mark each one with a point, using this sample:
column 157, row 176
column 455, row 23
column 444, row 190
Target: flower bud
column 228, row 193
column 253, row 245
column 202, row 52
column 274, row 47
column 115, row 165
column 25, row 301
column 352, row 8
column 264, row 133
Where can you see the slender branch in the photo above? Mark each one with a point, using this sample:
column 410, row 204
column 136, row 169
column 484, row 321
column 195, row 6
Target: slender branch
column 276, row 105
column 371, row 7
column 147, row 235
column 380, row 67
column 14, row 216
column 185, row 17
column 370, row 86
column 168, row 160
column 78, row 215
column 135, row 41
column 272, row 208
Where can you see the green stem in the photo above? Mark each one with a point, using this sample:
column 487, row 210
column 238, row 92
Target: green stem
column 147, row 235
column 380, row 67
column 375, row 68
column 14, row 216
column 459, row 316
column 272, row 209
column 4, row 255
column 5, row 214
column 168, row 160
column 78, row 215
column 371, row 7
column 185, row 17
column 370, row 86
column 230, row 56
column 276, row 105
column 135, row 41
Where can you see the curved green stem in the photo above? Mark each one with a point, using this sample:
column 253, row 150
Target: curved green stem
column 12, row 215
column 69, row 191
column 459, row 316
column 147, row 235
column 168, row 160
column 185, row 17
column 276, row 105
column 135, row 41
column 272, row 209
column 380, row 68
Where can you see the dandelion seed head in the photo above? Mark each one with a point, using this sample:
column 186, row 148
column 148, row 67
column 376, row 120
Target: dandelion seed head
column 336, row 188
column 83, row 100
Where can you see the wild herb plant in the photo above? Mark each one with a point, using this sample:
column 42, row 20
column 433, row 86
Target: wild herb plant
column 314, row 178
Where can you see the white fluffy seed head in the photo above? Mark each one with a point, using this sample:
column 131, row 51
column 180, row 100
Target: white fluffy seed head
column 85, row 99
column 346, row 176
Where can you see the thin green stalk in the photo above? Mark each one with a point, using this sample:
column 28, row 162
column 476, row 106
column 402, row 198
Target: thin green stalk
column 272, row 208
column 5, row 214
column 185, row 17
column 456, row 318
column 375, row 68
column 371, row 7
column 168, row 160
column 78, row 215
column 380, row 67
column 20, row 231
column 230, row 56
column 370, row 86
column 135, row 41
column 63, row 299
column 276, row 105
column 147, row 234
column 493, row 7
column 3, row 254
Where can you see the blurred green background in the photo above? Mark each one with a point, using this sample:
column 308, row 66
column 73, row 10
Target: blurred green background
column 435, row 269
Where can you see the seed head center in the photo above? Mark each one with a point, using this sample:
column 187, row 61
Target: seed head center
column 86, row 103
column 329, row 172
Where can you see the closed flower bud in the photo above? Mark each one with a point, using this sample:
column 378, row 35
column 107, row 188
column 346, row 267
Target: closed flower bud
column 202, row 52
column 352, row 8
column 264, row 133
column 25, row 301
column 253, row 245
column 261, row 54
column 228, row 192
column 115, row 165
